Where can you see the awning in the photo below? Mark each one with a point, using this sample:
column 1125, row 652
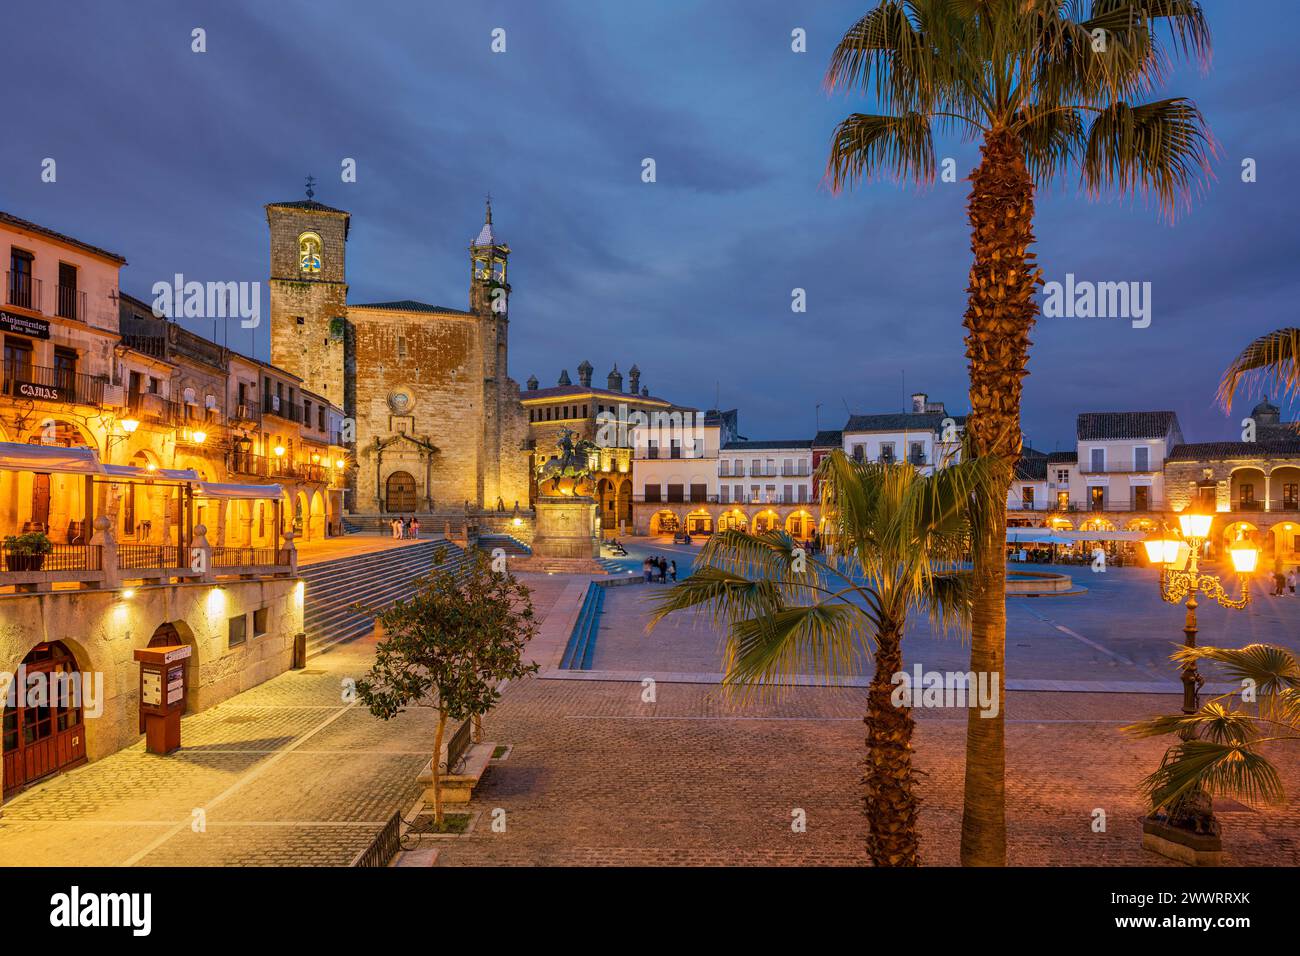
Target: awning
column 1052, row 536
column 135, row 471
column 15, row 456
column 209, row 489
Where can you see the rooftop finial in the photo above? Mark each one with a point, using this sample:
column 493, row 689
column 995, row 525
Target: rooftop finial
column 488, row 220
column 311, row 181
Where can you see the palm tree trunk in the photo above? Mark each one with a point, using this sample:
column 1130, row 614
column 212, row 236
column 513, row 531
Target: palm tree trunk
column 890, row 802
column 999, row 315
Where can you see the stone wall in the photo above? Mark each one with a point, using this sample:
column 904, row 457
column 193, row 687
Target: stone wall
column 103, row 628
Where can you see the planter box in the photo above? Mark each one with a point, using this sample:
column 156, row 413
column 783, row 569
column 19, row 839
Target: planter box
column 24, row 562
column 1194, row 849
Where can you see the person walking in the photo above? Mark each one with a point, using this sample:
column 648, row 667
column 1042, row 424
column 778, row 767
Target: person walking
column 396, row 526
column 1290, row 580
column 1279, row 583
column 645, row 569
column 672, row 569
column 415, row 527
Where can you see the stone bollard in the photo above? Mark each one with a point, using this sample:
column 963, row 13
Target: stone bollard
column 292, row 552
column 103, row 537
column 200, row 556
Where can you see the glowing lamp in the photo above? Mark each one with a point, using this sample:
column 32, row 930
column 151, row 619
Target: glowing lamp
column 339, row 463
column 1195, row 525
column 1161, row 548
column 279, row 451
column 129, row 425
column 200, row 437
column 517, row 522
column 315, row 459
column 1244, row 556
column 151, row 467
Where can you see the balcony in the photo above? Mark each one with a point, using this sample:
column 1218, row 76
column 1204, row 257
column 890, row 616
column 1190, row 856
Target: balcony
column 55, row 385
column 71, row 303
column 1117, row 468
column 246, row 412
column 265, row 466
column 23, row 290
column 281, row 408
column 155, row 346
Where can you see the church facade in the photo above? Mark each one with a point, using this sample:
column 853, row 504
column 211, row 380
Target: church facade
column 437, row 423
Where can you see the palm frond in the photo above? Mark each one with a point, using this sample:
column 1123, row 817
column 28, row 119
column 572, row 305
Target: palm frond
column 1226, row 769
column 822, row 639
column 1273, row 356
column 1161, row 149
column 1271, row 668
column 863, row 146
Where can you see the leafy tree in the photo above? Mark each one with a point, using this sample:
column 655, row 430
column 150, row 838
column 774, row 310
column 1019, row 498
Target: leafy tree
column 894, row 539
column 1223, row 747
column 1044, row 86
column 450, row 646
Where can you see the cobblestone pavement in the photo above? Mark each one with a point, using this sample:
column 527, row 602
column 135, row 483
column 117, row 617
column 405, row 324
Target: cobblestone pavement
column 288, row 774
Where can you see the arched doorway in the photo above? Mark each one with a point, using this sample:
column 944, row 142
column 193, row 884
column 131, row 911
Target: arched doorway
column 699, row 522
column 800, row 525
column 399, row 492
column 733, row 520
column 663, row 522
column 50, row 735
column 765, row 521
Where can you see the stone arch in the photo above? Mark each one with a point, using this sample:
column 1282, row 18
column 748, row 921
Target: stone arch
column 699, row 521
column 1059, row 523
column 799, row 524
column 57, row 738
column 765, row 520
column 1097, row 524
column 179, row 632
column 1284, row 542
column 400, row 495
column 733, row 520
column 1284, row 487
column 317, row 517
column 1247, row 488
column 664, row 521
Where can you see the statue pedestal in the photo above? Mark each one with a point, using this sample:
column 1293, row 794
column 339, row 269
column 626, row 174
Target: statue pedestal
column 566, row 528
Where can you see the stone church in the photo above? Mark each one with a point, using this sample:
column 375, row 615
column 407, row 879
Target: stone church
column 438, row 420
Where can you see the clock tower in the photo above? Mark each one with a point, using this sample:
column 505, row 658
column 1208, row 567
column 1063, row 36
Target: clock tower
column 310, row 333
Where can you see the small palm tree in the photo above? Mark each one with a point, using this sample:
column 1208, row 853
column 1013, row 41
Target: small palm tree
column 1222, row 746
column 1044, row 86
column 894, row 539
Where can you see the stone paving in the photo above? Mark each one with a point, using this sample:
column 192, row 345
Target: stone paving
column 288, row 774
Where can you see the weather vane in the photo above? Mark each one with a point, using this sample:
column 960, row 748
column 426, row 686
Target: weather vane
column 311, row 181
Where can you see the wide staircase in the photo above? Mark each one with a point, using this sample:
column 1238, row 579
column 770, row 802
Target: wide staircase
column 506, row 542
column 373, row 580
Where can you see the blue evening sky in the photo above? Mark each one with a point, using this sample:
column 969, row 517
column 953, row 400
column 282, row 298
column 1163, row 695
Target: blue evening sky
column 167, row 157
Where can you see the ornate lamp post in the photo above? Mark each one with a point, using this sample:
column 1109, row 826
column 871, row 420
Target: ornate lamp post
column 1190, row 832
column 1181, row 578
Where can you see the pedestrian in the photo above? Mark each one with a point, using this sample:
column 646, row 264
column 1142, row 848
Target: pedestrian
column 1279, row 583
column 645, row 569
column 672, row 569
column 396, row 526
column 415, row 527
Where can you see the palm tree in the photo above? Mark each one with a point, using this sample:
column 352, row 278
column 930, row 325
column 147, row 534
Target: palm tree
column 1221, row 750
column 896, row 537
column 1043, row 85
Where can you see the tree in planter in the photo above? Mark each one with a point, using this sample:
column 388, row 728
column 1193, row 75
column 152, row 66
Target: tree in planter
column 450, row 646
column 1223, row 748
column 26, row 552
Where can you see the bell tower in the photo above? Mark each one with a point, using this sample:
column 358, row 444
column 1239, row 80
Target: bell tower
column 309, row 295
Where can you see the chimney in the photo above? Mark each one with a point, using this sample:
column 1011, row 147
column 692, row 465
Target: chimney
column 532, row 383
column 918, row 402
column 645, row 391
column 634, row 379
column 584, row 374
column 615, row 380
column 564, row 377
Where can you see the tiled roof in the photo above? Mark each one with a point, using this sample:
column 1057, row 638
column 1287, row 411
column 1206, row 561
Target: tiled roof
column 1062, row 457
column 762, row 445
column 1032, row 469
column 831, row 438
column 409, row 305
column 1235, row 450
column 901, row 421
column 1104, row 426
column 14, row 221
column 310, row 205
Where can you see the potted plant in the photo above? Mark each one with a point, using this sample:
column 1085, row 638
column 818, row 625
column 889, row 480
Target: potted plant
column 26, row 552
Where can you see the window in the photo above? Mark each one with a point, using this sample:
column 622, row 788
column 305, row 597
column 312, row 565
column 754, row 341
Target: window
column 21, row 284
column 916, row 453
column 886, row 451
column 1027, row 497
column 675, row 492
column 1063, row 476
column 1097, row 498
column 65, row 368
column 237, row 631
column 1141, row 497
column 1141, row 459
column 1098, row 459
column 652, row 493
column 723, row 494
column 699, row 492
column 67, row 304
column 18, row 359
column 261, row 618
column 1247, row 495
column 788, row 493
column 1290, row 496
column 300, row 320
column 652, row 449
column 401, row 346
column 675, row 450
column 858, row 453
column 1063, row 500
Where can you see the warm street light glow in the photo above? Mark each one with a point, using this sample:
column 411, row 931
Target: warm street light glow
column 129, row 425
column 315, row 458
column 200, row 437
column 339, row 463
column 1161, row 548
column 1244, row 555
column 279, row 451
column 517, row 522
column 150, row 466
column 1195, row 525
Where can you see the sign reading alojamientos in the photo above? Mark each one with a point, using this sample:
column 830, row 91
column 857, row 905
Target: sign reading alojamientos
column 24, row 325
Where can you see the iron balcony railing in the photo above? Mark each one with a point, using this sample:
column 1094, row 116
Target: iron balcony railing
column 71, row 303
column 61, row 557
column 43, row 384
column 23, row 290
column 265, row 466
column 1118, row 468
column 154, row 346
column 142, row 557
column 285, row 409
column 234, row 557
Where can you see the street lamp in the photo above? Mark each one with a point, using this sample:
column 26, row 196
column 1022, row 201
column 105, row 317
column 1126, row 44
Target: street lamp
column 129, row 425
column 199, row 437
column 279, row 451
column 1181, row 579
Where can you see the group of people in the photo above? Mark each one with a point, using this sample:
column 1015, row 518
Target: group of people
column 656, row 568
column 406, row 528
column 1282, row 583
